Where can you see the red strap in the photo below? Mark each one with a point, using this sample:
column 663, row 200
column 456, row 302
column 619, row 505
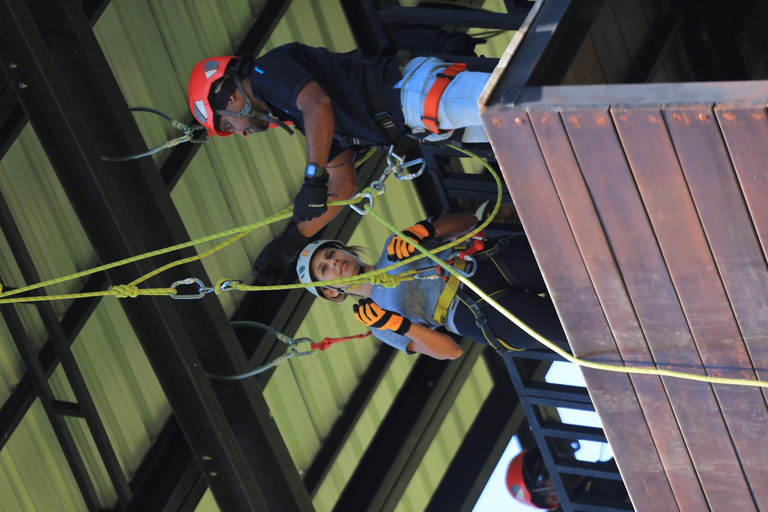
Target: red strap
column 327, row 342
column 477, row 246
column 273, row 125
column 432, row 101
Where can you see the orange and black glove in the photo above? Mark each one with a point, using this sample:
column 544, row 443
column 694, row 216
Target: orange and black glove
column 369, row 313
column 399, row 249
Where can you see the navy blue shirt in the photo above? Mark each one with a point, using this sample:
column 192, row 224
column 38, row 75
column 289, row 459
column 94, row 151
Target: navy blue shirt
column 278, row 76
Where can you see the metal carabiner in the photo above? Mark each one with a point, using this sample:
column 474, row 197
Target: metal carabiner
column 471, row 264
column 401, row 174
column 358, row 209
column 391, row 155
column 201, row 292
column 378, row 185
column 398, row 165
column 295, row 343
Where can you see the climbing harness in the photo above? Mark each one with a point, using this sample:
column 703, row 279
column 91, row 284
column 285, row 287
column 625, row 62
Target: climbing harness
column 453, row 291
column 291, row 351
column 195, row 134
column 432, row 101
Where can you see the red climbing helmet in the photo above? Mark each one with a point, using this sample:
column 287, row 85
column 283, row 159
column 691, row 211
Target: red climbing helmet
column 204, row 75
column 522, row 484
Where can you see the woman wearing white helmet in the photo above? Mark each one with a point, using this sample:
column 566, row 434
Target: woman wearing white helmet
column 406, row 317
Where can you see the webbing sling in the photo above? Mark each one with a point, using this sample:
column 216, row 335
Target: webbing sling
column 380, row 114
column 448, row 293
column 432, row 101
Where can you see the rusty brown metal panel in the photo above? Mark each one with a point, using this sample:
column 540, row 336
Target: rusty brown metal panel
column 568, row 281
column 741, row 266
column 644, row 94
column 646, row 277
column 745, row 129
column 610, row 195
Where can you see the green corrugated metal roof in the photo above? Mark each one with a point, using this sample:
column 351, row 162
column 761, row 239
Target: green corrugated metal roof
column 151, row 46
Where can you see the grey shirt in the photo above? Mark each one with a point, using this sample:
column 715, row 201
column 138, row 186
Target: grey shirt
column 415, row 300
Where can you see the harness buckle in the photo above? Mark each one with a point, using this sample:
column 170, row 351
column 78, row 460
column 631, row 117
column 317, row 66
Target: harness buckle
column 431, row 123
column 385, row 120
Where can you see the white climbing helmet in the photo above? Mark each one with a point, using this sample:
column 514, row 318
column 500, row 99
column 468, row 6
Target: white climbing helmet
column 305, row 257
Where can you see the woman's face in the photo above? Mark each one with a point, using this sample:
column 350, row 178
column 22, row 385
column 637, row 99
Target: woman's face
column 332, row 263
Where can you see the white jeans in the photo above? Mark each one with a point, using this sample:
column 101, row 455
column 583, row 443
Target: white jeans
column 458, row 104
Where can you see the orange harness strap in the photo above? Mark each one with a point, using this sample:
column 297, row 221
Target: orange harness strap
column 432, row 101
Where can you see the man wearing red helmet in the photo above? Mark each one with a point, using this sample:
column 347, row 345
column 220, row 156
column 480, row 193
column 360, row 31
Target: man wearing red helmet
column 342, row 103
column 529, row 482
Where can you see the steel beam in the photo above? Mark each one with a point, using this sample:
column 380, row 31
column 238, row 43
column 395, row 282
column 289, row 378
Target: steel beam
column 343, row 426
column 398, row 446
column 253, row 42
column 12, row 117
column 368, row 32
column 452, row 17
column 47, row 399
column 85, row 406
column 498, row 420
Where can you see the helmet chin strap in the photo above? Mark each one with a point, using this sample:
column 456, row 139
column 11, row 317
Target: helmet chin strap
column 248, row 111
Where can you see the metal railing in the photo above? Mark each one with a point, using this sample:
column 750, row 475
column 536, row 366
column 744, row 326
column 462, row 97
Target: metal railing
column 600, row 487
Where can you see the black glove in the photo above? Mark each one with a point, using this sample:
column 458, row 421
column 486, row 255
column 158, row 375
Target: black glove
column 311, row 199
column 272, row 264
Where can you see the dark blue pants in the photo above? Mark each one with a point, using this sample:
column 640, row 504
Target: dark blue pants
column 519, row 297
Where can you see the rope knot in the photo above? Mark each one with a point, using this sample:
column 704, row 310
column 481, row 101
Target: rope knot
column 386, row 280
column 125, row 291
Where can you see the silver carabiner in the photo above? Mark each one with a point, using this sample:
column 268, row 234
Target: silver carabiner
column 398, row 165
column 295, row 343
column 201, row 292
column 393, row 159
column 402, row 174
column 471, row 264
column 358, row 209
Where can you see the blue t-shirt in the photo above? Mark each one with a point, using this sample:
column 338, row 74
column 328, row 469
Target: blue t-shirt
column 415, row 300
column 278, row 76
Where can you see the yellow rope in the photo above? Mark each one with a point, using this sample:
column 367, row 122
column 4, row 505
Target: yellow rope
column 240, row 232
column 122, row 291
